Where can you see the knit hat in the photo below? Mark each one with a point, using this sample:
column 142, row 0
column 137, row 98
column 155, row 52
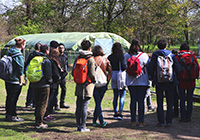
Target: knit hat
column 54, row 44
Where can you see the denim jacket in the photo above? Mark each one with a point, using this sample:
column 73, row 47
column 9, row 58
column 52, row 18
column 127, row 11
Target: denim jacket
column 152, row 68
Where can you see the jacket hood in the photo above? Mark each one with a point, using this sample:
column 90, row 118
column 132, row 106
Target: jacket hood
column 85, row 53
column 14, row 50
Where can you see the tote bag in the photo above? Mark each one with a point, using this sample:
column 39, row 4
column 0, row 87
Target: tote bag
column 101, row 79
column 121, row 79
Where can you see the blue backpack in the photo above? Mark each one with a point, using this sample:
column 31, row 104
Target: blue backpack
column 6, row 68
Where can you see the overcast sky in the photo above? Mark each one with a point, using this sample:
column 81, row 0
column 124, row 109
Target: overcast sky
column 7, row 3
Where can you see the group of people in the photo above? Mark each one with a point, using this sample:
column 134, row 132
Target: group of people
column 169, row 80
column 172, row 79
column 43, row 93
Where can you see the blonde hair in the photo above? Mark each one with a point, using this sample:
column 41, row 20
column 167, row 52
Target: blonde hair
column 19, row 42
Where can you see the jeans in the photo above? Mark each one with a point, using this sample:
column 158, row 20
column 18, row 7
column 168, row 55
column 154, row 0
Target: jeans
column 170, row 101
column 186, row 95
column 137, row 93
column 30, row 96
column 13, row 92
column 98, row 96
column 63, row 92
column 81, row 111
column 41, row 101
column 118, row 93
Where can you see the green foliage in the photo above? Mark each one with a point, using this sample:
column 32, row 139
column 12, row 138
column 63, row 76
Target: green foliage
column 30, row 28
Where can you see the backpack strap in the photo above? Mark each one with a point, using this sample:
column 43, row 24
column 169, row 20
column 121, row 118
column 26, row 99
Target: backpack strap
column 139, row 54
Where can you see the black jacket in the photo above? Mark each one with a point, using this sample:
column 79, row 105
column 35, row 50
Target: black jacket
column 64, row 63
column 47, row 73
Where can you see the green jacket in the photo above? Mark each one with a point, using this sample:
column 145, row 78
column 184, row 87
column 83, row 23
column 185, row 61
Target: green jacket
column 86, row 90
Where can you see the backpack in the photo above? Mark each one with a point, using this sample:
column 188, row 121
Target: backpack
column 101, row 79
column 6, row 68
column 34, row 71
column 133, row 66
column 189, row 67
column 81, row 70
column 164, row 69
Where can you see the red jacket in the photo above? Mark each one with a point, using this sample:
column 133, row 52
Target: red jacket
column 186, row 84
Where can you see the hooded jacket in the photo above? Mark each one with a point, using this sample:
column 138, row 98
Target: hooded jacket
column 86, row 89
column 18, row 65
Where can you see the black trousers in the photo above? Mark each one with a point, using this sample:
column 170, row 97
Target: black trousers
column 63, row 92
column 13, row 92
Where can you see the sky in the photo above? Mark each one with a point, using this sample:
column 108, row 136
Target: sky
column 8, row 3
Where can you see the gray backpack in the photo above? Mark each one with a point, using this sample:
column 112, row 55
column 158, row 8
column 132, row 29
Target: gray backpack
column 6, row 68
column 164, row 69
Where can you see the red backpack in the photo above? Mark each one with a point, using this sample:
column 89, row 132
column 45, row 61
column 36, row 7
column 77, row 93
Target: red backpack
column 189, row 66
column 81, row 70
column 133, row 66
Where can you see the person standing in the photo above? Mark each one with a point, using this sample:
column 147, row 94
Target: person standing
column 85, row 90
column 187, row 77
column 161, row 87
column 99, row 92
column 41, row 89
column 30, row 96
column 64, row 63
column 14, row 83
column 138, row 84
column 117, row 62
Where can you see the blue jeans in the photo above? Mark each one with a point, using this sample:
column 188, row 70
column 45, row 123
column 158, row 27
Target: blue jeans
column 170, row 102
column 118, row 93
column 81, row 111
column 98, row 96
column 186, row 95
column 137, row 93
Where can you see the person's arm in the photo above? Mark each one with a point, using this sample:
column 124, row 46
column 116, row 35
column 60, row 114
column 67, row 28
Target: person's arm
column 47, row 70
column 123, row 64
column 176, row 65
column 109, row 69
column 91, row 69
column 152, row 65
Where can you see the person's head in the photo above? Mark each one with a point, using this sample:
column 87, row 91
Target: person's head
column 135, row 46
column 117, row 48
column 20, row 43
column 86, row 45
column 61, row 48
column 175, row 51
column 162, row 44
column 44, row 49
column 37, row 46
column 97, row 51
column 184, row 46
column 54, row 44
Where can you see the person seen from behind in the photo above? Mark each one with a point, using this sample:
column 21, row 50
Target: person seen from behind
column 187, row 77
column 99, row 92
column 41, row 89
column 30, row 96
column 14, row 83
column 165, row 80
column 138, row 84
column 84, row 91
column 117, row 62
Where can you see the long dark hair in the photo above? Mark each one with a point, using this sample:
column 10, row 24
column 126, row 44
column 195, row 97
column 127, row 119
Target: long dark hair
column 117, row 49
column 54, row 55
column 135, row 46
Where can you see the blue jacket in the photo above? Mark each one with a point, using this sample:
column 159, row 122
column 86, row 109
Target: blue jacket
column 18, row 65
column 152, row 68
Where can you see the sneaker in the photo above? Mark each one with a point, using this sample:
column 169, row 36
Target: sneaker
column 188, row 120
column 169, row 125
column 142, row 125
column 84, row 130
column 43, row 126
column 182, row 120
column 133, row 123
column 56, row 108
column 115, row 116
column 49, row 118
column 95, row 124
column 160, row 124
column 151, row 109
column 120, row 116
column 17, row 119
column 104, row 124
